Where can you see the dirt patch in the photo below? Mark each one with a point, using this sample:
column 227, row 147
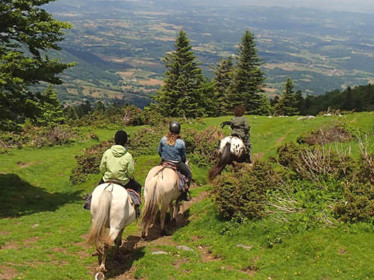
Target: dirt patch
column 280, row 140
column 207, row 255
column 25, row 164
column 7, row 272
column 151, row 82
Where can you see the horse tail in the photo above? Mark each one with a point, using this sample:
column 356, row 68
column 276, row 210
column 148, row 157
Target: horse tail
column 224, row 158
column 152, row 202
column 97, row 234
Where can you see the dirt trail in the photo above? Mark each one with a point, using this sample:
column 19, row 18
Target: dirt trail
column 131, row 249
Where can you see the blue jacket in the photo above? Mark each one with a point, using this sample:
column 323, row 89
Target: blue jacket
column 176, row 153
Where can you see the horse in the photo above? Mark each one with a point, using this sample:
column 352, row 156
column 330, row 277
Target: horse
column 111, row 211
column 161, row 188
column 230, row 149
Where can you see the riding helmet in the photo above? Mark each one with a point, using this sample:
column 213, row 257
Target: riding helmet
column 175, row 127
column 120, row 138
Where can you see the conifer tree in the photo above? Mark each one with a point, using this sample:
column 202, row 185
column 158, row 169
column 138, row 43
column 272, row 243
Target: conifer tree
column 182, row 94
column 51, row 110
column 287, row 105
column 223, row 80
column 26, row 33
column 71, row 113
column 248, row 79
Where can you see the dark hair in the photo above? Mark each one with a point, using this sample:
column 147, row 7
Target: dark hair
column 175, row 127
column 120, row 138
column 239, row 111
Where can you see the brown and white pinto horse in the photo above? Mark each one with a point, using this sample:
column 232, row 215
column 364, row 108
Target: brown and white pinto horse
column 230, row 149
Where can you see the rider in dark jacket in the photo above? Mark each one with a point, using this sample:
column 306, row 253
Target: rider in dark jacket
column 240, row 128
column 173, row 149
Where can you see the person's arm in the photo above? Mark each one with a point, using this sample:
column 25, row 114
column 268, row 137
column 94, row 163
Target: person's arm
column 130, row 167
column 159, row 148
column 183, row 152
column 223, row 124
column 103, row 163
column 246, row 126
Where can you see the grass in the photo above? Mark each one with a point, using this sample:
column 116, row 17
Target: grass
column 43, row 225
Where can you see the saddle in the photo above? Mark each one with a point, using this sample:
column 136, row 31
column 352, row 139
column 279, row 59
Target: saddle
column 135, row 197
column 183, row 180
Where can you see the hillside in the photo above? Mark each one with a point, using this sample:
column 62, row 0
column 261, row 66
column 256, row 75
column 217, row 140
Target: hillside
column 43, row 225
column 119, row 44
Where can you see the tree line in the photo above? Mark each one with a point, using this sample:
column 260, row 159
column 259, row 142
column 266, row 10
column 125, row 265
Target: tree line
column 27, row 32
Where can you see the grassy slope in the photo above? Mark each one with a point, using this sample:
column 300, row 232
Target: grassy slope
column 42, row 223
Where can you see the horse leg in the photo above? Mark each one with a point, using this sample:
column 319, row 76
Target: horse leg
column 118, row 242
column 164, row 208
column 102, row 258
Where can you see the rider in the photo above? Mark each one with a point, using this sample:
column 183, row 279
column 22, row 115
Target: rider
column 240, row 128
column 117, row 165
column 172, row 149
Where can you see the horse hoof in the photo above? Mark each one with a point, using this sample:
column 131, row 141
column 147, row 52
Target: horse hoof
column 164, row 233
column 99, row 276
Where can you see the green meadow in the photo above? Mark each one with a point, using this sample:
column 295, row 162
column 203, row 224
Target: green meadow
column 43, row 225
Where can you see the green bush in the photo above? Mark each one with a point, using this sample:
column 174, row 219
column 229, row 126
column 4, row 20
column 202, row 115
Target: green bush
column 37, row 137
column 202, row 146
column 88, row 162
column 244, row 193
column 358, row 203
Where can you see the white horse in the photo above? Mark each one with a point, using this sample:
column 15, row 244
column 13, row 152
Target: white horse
column 230, row 149
column 111, row 211
column 161, row 188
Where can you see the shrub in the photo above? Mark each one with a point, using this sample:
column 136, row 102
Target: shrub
column 88, row 162
column 37, row 137
column 244, row 193
column 358, row 203
column 326, row 135
column 145, row 141
column 202, row 146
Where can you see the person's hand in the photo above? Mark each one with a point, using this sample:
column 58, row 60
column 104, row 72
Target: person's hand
column 222, row 125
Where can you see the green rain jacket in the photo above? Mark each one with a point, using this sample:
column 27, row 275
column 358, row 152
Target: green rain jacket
column 117, row 164
column 239, row 126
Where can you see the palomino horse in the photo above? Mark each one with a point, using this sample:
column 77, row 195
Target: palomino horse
column 230, row 149
column 161, row 187
column 111, row 212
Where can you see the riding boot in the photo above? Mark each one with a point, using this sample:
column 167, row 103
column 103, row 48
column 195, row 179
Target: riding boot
column 184, row 196
column 87, row 203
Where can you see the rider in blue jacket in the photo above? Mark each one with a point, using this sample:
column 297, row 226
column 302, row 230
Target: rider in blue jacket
column 172, row 149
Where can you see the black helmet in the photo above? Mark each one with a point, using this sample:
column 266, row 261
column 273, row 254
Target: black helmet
column 175, row 127
column 120, row 138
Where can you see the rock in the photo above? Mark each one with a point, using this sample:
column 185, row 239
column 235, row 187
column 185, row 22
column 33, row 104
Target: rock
column 159, row 253
column 184, row 248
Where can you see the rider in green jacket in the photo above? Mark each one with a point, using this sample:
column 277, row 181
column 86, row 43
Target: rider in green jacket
column 117, row 166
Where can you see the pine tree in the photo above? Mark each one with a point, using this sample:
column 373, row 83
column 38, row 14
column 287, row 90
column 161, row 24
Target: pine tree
column 287, row 105
column 51, row 110
column 26, row 33
column 248, row 79
column 71, row 113
column 182, row 94
column 223, row 80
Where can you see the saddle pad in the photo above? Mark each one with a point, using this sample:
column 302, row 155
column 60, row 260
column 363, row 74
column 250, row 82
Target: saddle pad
column 134, row 196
